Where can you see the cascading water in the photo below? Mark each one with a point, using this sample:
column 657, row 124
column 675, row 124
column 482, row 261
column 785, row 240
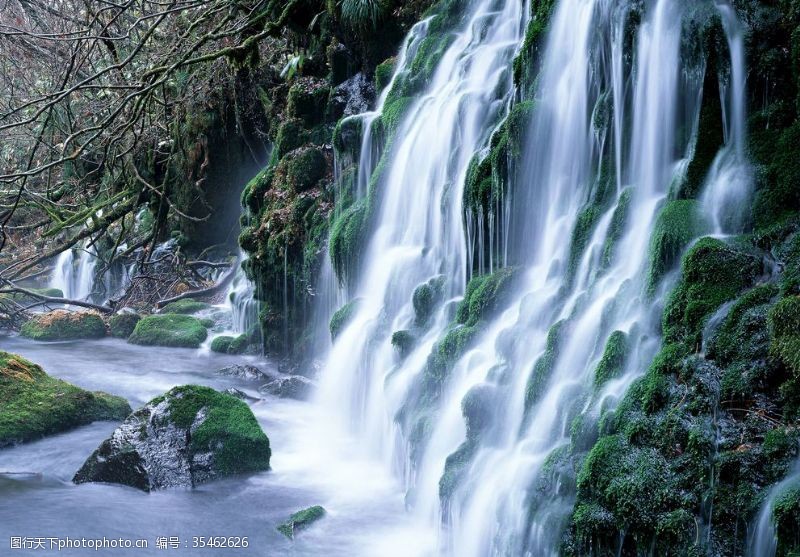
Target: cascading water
column 482, row 463
column 241, row 300
column 729, row 182
column 74, row 272
column 764, row 541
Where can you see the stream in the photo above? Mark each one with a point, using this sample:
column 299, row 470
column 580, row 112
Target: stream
column 311, row 465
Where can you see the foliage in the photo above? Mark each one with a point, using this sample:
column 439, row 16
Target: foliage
column 64, row 325
column 169, row 330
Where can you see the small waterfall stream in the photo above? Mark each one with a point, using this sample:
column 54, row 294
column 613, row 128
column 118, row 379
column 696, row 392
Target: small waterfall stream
column 764, row 541
column 73, row 273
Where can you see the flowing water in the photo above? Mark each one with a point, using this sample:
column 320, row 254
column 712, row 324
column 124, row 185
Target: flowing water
column 241, row 301
column 764, row 541
column 364, row 502
column 73, row 273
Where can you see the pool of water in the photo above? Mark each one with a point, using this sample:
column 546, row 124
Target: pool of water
column 311, row 465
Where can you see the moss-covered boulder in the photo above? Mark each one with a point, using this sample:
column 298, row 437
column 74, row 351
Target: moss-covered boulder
column 342, row 317
column 61, row 324
column 183, row 331
column 33, row 404
column 678, row 223
column 301, row 520
column 122, row 325
column 786, row 514
column 229, row 345
column 185, row 306
column 188, row 436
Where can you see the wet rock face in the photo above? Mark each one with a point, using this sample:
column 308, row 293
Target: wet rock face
column 191, row 435
column 354, row 96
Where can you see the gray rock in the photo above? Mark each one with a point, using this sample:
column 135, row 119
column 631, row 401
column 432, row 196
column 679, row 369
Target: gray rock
column 189, row 436
column 244, row 371
column 241, row 395
column 353, row 96
column 293, row 386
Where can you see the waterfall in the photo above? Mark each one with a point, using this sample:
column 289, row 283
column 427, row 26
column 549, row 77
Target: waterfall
column 74, row 272
column 616, row 109
column 764, row 541
column 729, row 182
column 241, row 301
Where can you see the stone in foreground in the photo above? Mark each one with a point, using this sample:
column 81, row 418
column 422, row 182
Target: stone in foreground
column 187, row 437
column 61, row 324
column 183, row 331
column 301, row 520
column 33, row 404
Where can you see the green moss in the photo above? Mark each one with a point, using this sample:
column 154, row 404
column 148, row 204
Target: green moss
column 347, row 138
column 301, row 520
column 425, row 298
column 784, row 326
column 712, row 273
column 786, row 514
column 230, row 431
column 612, row 363
column 348, row 234
column 544, row 366
column 291, row 135
column 64, row 325
column 305, row 167
column 485, row 295
column 187, row 305
column 342, row 317
column 383, row 73
column 307, row 99
column 526, row 64
column 455, row 468
column 33, row 404
column 169, row 330
column 122, row 325
column 221, row 344
column 678, row 223
column 619, row 221
column 404, row 342
column 778, row 196
column 239, row 344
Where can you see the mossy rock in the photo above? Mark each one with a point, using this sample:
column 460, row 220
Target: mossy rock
column 348, row 234
column 486, row 294
column 307, row 99
column 784, row 326
column 425, row 298
column 786, row 514
column 342, row 317
column 384, row 72
column 200, row 433
column 229, row 345
column 122, row 325
column 64, row 325
column 301, row 520
column 347, row 137
column 713, row 272
column 404, row 342
column 185, row 306
column 305, row 167
column 291, row 135
column 169, row 330
column 612, row 363
column 33, row 404
column 678, row 223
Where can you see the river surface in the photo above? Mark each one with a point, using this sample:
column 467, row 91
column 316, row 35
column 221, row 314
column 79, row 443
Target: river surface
column 312, row 464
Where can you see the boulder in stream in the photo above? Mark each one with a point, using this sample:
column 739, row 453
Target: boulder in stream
column 169, row 330
column 292, row 386
column 61, row 324
column 244, row 371
column 188, row 436
column 33, row 404
column 301, row 520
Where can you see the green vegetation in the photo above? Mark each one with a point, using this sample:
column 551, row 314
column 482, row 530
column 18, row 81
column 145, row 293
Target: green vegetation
column 121, row 325
column 64, row 325
column 229, row 345
column 301, row 520
column 678, row 223
column 342, row 317
column 786, row 513
column 169, row 330
column 612, row 362
column 185, row 306
column 33, row 404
